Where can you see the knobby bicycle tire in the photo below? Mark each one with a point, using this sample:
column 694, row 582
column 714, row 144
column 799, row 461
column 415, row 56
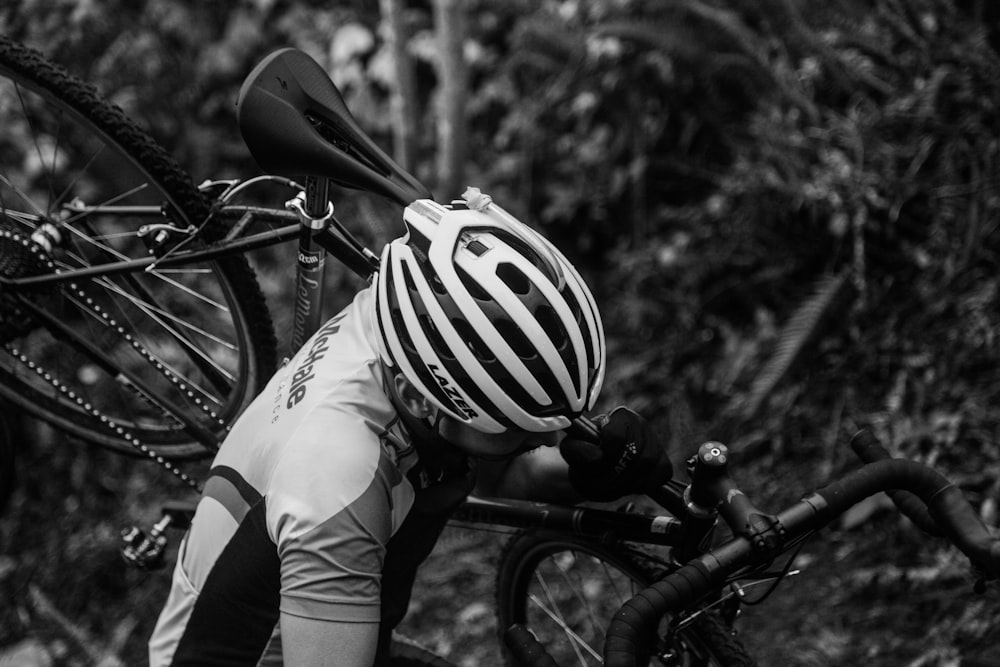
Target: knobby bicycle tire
column 149, row 357
column 566, row 588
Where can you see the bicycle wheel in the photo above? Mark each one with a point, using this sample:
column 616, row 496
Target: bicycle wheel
column 404, row 652
column 566, row 589
column 168, row 357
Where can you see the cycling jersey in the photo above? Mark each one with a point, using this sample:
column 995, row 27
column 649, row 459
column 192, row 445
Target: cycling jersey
column 301, row 503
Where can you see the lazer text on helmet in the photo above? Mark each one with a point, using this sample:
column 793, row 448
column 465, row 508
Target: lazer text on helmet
column 452, row 393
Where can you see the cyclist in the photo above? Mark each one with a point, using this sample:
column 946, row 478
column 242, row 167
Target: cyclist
column 457, row 369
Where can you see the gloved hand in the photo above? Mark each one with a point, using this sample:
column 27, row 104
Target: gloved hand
column 628, row 459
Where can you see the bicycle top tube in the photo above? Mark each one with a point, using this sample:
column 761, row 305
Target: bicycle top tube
column 593, row 522
column 211, row 252
column 333, row 239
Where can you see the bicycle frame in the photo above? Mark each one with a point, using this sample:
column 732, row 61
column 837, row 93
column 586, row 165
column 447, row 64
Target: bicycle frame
column 330, row 238
column 180, row 258
column 317, row 235
column 594, row 523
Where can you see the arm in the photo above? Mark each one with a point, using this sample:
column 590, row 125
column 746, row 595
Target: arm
column 310, row 641
column 329, row 515
column 540, row 475
column 628, row 459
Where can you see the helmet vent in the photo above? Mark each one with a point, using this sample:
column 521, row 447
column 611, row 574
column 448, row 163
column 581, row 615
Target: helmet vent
column 514, row 278
column 524, row 249
column 483, row 353
column 435, row 338
column 402, row 333
column 408, row 278
column 516, row 339
column 474, row 288
column 551, row 325
column 574, row 307
column 437, row 285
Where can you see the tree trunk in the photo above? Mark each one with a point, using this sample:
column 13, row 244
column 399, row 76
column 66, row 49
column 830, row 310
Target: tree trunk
column 402, row 100
column 449, row 18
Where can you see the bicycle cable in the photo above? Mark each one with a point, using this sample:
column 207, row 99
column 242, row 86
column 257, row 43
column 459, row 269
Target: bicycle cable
column 775, row 578
column 739, row 591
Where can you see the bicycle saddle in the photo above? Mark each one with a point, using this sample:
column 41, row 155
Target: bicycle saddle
column 294, row 121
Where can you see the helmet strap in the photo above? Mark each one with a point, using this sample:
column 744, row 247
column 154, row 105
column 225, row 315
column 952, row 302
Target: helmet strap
column 425, row 431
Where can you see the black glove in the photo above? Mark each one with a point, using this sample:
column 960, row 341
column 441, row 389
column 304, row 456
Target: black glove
column 627, row 460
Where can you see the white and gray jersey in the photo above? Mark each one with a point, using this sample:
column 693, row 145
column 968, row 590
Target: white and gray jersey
column 301, row 502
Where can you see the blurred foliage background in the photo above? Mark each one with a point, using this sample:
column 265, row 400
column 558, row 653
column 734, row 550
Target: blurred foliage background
column 788, row 211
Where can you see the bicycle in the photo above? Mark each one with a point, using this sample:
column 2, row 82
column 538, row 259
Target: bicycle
column 145, row 380
column 178, row 338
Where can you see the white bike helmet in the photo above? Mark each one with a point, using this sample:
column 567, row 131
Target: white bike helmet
column 487, row 319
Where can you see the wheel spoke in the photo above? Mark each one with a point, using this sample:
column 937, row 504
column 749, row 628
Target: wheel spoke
column 68, row 190
column 148, row 305
column 576, row 641
column 158, row 274
column 622, row 599
column 142, row 299
column 38, row 150
column 578, row 592
column 24, row 196
column 182, row 377
column 108, row 202
column 191, row 341
column 156, row 313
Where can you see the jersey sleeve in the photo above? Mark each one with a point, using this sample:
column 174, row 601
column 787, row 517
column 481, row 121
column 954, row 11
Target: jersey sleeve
column 330, row 512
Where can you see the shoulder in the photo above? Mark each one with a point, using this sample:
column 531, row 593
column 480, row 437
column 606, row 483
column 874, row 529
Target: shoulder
column 330, row 467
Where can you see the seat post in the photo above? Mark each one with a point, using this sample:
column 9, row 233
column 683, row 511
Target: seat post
column 315, row 210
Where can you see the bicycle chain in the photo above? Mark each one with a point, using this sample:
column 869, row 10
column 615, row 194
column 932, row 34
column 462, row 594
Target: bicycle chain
column 104, row 419
column 145, row 354
column 142, row 351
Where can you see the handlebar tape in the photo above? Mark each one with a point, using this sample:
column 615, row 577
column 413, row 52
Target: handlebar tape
column 945, row 503
column 965, row 529
column 630, row 635
column 869, row 450
column 527, row 650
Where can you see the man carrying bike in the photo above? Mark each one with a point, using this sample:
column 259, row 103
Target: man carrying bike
column 458, row 369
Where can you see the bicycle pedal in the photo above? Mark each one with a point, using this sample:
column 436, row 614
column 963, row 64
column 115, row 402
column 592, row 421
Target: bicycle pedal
column 180, row 512
column 141, row 551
